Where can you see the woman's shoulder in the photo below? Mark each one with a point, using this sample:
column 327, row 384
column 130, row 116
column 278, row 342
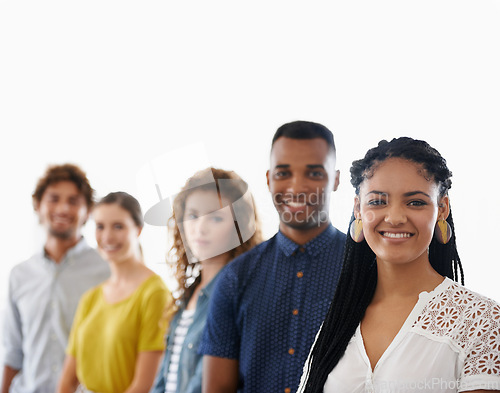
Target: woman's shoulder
column 477, row 333
column 452, row 295
column 90, row 299
column 472, row 304
column 461, row 315
column 153, row 285
column 251, row 261
column 92, row 294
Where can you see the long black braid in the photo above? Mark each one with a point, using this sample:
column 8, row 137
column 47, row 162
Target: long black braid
column 358, row 279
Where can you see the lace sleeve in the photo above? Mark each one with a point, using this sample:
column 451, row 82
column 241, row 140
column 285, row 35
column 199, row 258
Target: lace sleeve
column 482, row 346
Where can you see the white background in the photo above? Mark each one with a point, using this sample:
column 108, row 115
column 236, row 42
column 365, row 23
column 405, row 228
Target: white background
column 112, row 85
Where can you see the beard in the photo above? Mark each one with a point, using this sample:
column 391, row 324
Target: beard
column 62, row 234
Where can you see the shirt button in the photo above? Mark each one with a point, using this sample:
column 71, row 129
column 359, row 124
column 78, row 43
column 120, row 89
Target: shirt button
column 302, row 249
column 288, row 390
column 291, row 351
column 190, row 345
column 295, row 312
column 300, row 274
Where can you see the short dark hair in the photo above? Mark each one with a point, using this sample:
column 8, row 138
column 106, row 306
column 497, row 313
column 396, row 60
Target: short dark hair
column 301, row 129
column 65, row 172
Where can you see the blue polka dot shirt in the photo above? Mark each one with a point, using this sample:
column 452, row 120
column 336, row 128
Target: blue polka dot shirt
column 268, row 305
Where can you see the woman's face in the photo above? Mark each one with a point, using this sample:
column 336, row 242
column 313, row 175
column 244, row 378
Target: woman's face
column 207, row 228
column 116, row 233
column 399, row 208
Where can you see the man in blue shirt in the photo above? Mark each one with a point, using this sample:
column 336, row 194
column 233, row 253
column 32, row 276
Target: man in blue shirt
column 269, row 303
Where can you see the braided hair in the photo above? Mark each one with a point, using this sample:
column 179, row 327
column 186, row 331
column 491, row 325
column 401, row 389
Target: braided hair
column 358, row 279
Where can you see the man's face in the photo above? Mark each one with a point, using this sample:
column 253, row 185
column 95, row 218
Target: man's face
column 301, row 179
column 62, row 210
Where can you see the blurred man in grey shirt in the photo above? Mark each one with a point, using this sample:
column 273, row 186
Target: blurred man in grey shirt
column 44, row 290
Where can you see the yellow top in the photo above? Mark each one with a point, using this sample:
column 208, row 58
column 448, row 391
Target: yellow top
column 106, row 338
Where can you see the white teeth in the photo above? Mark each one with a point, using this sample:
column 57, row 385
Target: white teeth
column 396, row 235
column 295, row 204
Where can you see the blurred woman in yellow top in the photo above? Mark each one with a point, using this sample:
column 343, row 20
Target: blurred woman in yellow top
column 117, row 337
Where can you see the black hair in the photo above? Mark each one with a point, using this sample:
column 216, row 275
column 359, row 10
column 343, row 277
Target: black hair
column 301, row 129
column 358, row 279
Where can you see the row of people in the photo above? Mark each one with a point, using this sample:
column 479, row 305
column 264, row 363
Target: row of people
column 274, row 319
column 117, row 336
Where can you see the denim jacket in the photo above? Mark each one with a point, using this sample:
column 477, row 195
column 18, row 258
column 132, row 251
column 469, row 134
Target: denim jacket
column 190, row 362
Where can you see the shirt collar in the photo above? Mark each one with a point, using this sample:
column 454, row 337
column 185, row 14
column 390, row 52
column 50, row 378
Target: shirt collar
column 208, row 289
column 312, row 247
column 78, row 248
column 205, row 293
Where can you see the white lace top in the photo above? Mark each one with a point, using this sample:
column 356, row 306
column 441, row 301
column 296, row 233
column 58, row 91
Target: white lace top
column 450, row 342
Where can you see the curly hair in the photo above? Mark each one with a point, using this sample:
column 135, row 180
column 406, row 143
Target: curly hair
column 358, row 279
column 186, row 273
column 65, row 172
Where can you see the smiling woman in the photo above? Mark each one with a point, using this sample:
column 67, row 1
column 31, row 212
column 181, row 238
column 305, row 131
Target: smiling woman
column 398, row 221
column 119, row 223
column 116, row 339
column 398, row 316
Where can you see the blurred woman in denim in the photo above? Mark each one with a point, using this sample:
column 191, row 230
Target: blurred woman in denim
column 214, row 220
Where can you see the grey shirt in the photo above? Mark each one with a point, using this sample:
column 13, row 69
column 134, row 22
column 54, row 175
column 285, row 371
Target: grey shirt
column 42, row 301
